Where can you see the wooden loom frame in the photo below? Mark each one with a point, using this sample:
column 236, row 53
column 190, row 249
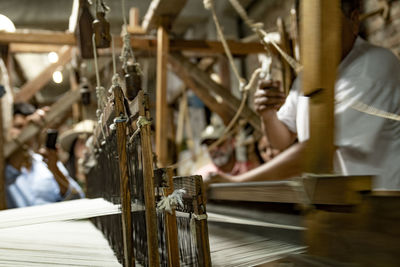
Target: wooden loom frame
column 139, row 108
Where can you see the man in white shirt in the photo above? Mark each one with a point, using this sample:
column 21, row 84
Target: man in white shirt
column 366, row 144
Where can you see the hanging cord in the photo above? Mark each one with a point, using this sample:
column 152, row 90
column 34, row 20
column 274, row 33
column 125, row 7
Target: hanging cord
column 209, row 5
column 263, row 36
column 100, row 91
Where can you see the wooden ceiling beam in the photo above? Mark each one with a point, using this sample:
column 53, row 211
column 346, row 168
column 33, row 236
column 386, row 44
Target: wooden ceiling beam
column 17, row 39
column 162, row 12
column 221, row 95
column 33, row 86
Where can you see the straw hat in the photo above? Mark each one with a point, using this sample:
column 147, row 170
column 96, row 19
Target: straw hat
column 68, row 137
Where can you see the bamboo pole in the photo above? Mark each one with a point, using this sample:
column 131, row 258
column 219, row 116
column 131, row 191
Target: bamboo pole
column 321, row 51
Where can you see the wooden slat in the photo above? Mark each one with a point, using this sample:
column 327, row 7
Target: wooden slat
column 56, row 110
column 159, row 11
column 33, row 48
column 287, row 72
column 125, row 192
column 161, row 98
column 321, row 52
column 3, row 203
column 171, row 226
column 29, row 89
column 33, row 39
column 45, row 37
column 148, row 176
column 223, row 94
column 324, row 190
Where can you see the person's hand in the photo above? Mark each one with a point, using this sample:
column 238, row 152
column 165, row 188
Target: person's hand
column 50, row 157
column 268, row 98
column 38, row 116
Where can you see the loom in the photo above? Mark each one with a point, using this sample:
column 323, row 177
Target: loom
column 144, row 235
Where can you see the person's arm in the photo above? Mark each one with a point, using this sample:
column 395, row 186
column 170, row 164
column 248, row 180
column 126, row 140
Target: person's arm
column 287, row 164
column 50, row 158
column 267, row 100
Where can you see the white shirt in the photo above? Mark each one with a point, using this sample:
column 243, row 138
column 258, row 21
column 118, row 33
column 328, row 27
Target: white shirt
column 366, row 144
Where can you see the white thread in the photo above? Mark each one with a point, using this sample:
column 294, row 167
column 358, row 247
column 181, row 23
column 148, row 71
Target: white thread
column 171, row 202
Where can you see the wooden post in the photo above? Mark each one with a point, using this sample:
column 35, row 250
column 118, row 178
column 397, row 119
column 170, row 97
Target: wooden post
column 287, row 74
column 3, row 203
column 148, row 177
column 321, row 51
column 161, row 97
column 170, row 225
column 129, row 259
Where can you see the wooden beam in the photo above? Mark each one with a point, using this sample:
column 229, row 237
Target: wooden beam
column 125, row 192
column 159, row 10
column 56, row 110
column 36, row 37
column 287, row 73
column 222, row 95
column 3, row 203
column 202, row 92
column 334, row 190
column 33, row 86
column 321, row 52
column 161, row 97
column 31, row 39
column 33, row 48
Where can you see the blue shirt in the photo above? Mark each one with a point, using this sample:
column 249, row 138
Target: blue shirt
column 37, row 186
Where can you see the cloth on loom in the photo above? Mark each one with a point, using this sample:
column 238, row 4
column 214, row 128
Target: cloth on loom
column 37, row 186
column 366, row 144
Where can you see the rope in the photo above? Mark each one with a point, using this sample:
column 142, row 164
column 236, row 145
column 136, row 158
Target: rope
column 359, row 106
column 142, row 121
column 263, row 36
column 171, row 202
column 100, row 91
column 209, row 5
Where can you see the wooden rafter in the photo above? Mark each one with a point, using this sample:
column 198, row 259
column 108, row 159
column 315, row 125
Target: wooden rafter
column 138, row 42
column 29, row 89
column 221, row 95
column 161, row 12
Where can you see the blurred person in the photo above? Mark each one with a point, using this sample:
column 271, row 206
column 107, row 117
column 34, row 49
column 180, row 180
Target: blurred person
column 32, row 178
column 365, row 144
column 73, row 141
column 223, row 156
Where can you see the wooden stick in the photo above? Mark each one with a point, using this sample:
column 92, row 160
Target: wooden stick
column 3, row 203
column 137, row 42
column 170, row 225
column 287, row 73
column 161, row 95
column 203, row 242
column 29, row 89
column 321, row 52
column 148, row 176
column 124, row 179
